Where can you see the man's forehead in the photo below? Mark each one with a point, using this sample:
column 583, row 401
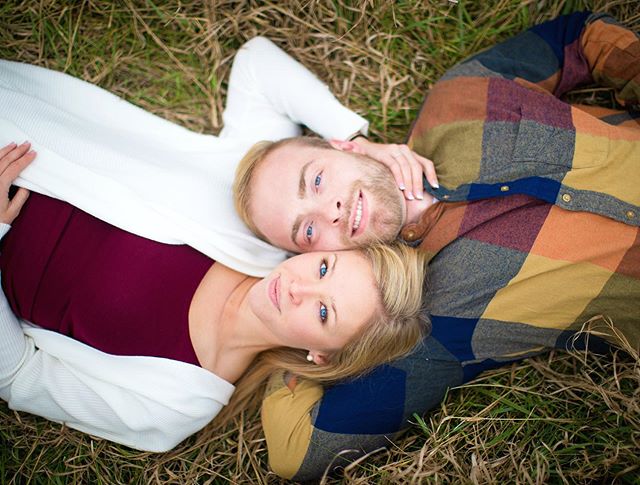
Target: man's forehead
column 291, row 154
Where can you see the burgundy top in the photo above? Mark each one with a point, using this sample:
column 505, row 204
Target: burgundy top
column 67, row 271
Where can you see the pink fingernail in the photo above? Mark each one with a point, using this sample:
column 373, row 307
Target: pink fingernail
column 409, row 196
column 419, row 196
column 402, row 187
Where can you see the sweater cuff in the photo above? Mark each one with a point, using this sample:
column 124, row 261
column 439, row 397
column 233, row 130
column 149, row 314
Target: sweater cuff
column 4, row 229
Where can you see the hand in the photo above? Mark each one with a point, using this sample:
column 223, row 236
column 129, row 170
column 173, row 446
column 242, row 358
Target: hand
column 406, row 165
column 13, row 160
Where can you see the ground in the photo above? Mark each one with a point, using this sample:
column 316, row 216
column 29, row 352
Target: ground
column 558, row 418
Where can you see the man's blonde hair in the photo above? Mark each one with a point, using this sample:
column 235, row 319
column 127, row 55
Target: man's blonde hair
column 250, row 163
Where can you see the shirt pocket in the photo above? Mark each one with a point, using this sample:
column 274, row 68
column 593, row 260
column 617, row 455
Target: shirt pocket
column 543, row 139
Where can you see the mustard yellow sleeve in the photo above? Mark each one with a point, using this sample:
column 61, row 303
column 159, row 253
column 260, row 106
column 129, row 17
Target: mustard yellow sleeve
column 286, row 419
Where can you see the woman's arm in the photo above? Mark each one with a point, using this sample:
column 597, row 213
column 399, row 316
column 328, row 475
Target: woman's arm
column 271, row 95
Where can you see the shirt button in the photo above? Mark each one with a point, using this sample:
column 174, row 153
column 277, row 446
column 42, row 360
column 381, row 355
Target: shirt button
column 566, row 197
column 504, row 188
column 630, row 214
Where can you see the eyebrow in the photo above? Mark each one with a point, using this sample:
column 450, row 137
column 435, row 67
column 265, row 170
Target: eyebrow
column 302, row 192
column 333, row 303
column 302, row 184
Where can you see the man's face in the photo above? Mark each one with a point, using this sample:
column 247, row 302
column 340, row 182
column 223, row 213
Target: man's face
column 313, row 199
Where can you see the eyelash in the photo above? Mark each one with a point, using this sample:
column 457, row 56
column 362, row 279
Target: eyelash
column 308, row 233
column 323, row 313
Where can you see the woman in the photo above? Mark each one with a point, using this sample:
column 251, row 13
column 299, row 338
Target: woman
column 165, row 331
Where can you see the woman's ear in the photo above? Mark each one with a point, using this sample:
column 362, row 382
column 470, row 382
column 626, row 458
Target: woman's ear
column 346, row 146
column 319, row 358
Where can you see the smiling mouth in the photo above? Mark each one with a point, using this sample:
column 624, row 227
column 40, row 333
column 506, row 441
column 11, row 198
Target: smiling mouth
column 358, row 217
column 274, row 292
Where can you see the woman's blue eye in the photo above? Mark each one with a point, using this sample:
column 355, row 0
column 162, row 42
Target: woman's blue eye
column 309, row 232
column 323, row 313
column 317, row 181
column 323, row 268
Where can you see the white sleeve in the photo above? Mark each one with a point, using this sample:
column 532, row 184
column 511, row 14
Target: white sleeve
column 13, row 345
column 270, row 95
column 129, row 400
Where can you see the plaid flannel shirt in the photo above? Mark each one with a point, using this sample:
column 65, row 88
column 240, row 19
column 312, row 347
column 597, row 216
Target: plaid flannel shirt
column 537, row 232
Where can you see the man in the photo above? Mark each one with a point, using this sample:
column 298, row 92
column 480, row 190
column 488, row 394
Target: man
column 535, row 232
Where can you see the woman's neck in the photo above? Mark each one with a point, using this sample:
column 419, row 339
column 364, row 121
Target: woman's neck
column 225, row 333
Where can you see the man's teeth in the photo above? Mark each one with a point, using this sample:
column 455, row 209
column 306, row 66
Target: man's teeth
column 356, row 222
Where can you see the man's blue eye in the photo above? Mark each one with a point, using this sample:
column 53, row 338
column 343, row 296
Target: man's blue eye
column 323, row 268
column 317, row 181
column 323, row 313
column 309, row 232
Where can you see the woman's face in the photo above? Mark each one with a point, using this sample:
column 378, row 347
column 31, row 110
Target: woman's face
column 317, row 301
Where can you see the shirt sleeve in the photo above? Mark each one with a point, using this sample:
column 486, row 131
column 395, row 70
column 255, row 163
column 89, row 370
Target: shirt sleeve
column 14, row 350
column 270, row 95
column 565, row 53
column 311, row 429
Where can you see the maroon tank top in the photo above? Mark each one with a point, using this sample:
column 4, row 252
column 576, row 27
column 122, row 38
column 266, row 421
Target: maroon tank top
column 67, row 271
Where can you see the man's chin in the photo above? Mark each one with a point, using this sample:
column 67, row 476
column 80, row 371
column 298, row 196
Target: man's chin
column 379, row 237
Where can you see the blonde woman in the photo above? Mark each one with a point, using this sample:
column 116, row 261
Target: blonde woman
column 141, row 342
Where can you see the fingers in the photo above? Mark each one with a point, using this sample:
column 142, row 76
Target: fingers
column 403, row 169
column 407, row 168
column 429, row 170
column 396, row 171
column 6, row 149
column 415, row 168
column 12, row 154
column 15, row 205
column 14, row 162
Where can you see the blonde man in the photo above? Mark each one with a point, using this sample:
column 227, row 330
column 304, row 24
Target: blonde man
column 532, row 232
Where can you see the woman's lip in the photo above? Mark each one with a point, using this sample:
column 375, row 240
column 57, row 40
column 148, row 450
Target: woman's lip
column 363, row 218
column 274, row 292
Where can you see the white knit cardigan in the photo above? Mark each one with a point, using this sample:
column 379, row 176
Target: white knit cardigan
column 158, row 180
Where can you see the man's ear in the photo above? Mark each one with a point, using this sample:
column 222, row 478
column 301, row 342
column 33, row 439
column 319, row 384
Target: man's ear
column 319, row 358
column 346, row 146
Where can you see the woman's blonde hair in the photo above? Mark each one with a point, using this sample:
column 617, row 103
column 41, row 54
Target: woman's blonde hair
column 248, row 166
column 392, row 332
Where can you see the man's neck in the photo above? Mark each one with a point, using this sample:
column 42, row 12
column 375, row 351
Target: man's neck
column 415, row 208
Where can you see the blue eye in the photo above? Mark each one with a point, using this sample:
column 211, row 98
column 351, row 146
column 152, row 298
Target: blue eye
column 309, row 232
column 323, row 313
column 317, row 181
column 323, row 268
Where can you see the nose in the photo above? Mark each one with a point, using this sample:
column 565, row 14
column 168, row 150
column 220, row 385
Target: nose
column 335, row 210
column 300, row 289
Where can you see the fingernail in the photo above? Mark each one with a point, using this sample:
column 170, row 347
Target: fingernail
column 402, row 187
column 12, row 144
column 409, row 196
column 31, row 152
column 435, row 185
column 419, row 196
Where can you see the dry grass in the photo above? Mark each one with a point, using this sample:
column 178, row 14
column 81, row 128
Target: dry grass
column 561, row 418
